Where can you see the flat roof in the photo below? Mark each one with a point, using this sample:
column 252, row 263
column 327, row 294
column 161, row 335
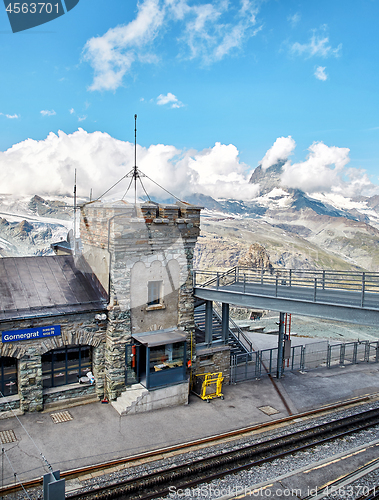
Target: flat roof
column 160, row 337
column 45, row 286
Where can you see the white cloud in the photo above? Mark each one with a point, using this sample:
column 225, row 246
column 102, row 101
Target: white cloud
column 72, row 111
column 214, row 30
column 318, row 45
column 169, row 99
column 112, row 54
column 282, row 148
column 321, row 171
column 294, row 19
column 320, row 73
column 46, row 112
column 82, row 118
column 47, row 167
column 210, row 31
column 10, row 117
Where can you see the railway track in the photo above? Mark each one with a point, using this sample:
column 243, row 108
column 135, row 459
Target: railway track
column 163, row 482
column 192, row 446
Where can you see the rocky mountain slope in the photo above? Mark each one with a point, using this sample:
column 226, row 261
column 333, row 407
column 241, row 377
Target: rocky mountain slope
column 280, row 227
column 29, row 226
column 296, row 230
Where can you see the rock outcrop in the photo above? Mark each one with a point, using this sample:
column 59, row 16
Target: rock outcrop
column 256, row 256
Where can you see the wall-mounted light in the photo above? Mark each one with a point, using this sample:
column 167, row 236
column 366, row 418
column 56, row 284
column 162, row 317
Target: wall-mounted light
column 100, row 317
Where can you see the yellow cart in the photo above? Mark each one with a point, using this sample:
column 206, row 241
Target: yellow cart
column 208, row 386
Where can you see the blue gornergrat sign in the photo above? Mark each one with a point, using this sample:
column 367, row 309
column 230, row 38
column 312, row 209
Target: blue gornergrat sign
column 31, row 333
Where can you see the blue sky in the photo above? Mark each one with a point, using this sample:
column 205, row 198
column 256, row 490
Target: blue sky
column 198, row 73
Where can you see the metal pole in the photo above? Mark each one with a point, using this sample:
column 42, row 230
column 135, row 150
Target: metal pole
column 208, row 321
column 75, row 215
column 225, row 322
column 135, row 159
column 363, row 289
column 279, row 371
column 315, row 289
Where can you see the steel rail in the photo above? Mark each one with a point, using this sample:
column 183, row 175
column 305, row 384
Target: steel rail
column 215, row 439
column 204, row 470
column 339, row 484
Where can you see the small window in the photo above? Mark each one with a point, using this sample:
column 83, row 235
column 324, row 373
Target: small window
column 8, row 376
column 155, row 293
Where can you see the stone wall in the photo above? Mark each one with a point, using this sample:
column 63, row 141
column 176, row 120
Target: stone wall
column 76, row 391
column 214, row 359
column 76, row 329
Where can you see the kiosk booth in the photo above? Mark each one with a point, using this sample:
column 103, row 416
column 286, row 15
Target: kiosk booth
column 157, row 358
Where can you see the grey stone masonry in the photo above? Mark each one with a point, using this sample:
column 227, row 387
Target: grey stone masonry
column 134, row 245
column 214, row 359
column 76, row 329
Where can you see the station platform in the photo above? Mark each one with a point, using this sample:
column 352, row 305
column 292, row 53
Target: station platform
column 97, row 433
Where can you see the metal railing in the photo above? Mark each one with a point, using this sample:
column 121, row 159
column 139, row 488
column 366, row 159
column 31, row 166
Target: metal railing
column 362, row 282
column 303, row 357
column 235, row 331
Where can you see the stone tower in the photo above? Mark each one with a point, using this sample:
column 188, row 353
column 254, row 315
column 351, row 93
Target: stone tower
column 143, row 257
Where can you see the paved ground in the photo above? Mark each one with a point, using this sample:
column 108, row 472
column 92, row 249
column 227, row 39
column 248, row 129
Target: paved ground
column 97, row 433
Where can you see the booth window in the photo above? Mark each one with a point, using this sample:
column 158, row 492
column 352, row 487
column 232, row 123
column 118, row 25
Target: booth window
column 64, row 366
column 8, row 376
column 167, row 356
column 155, row 293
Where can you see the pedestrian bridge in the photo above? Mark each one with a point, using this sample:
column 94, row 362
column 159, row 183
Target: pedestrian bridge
column 352, row 297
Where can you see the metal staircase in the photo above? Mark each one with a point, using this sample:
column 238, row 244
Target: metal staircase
column 238, row 341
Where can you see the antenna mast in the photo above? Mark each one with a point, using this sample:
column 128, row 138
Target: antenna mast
column 75, row 214
column 135, row 172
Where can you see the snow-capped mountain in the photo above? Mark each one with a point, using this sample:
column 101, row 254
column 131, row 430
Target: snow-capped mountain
column 321, row 230
column 296, row 229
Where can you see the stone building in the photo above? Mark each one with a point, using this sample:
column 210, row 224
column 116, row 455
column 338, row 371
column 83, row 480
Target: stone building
column 123, row 309
column 53, row 324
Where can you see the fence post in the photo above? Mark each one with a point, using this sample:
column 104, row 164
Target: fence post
column 237, row 274
column 328, row 355
column 276, row 286
column 315, row 290
column 280, row 360
column 367, row 351
column 290, row 277
column 355, row 349
column 323, row 280
column 293, row 357
column 302, row 358
column 218, row 280
column 377, row 352
column 363, row 289
column 342, row 354
column 262, row 275
column 258, row 365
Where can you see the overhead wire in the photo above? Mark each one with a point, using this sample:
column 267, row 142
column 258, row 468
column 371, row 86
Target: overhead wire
column 44, row 459
column 15, row 473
